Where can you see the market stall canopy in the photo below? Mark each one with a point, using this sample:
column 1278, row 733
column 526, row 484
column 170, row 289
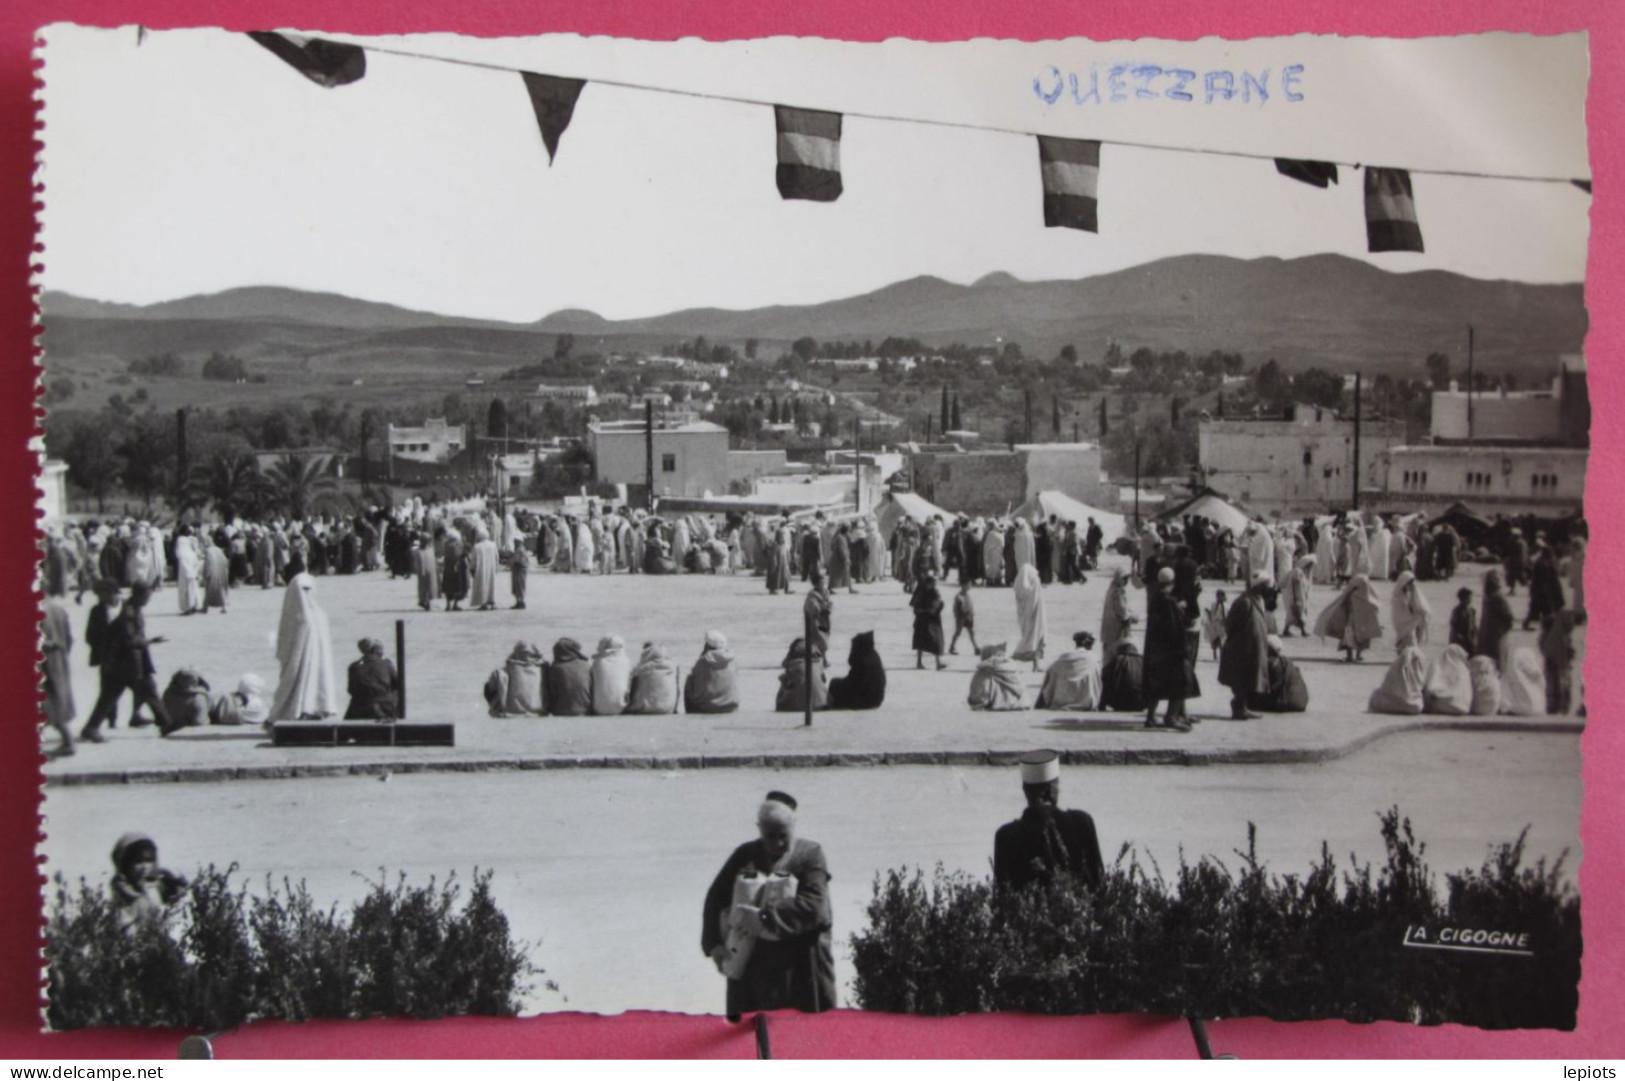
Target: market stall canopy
column 899, row 505
column 1067, row 509
column 1210, row 505
column 1463, row 519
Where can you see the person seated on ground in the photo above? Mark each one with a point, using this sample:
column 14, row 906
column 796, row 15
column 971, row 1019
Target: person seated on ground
column 1523, row 684
column 721, row 556
column 657, row 555
column 375, row 686
column 142, row 890
column 1486, row 686
column 1287, row 693
column 611, row 677
column 1401, row 688
column 864, row 685
column 186, row 700
column 245, row 705
column 655, row 682
column 1073, row 681
column 996, row 685
column 711, row 686
column 517, row 688
column 1122, row 680
column 569, row 680
column 1447, row 688
column 794, row 688
column 697, row 560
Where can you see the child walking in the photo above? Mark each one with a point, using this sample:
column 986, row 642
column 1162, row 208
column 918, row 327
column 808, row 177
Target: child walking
column 964, row 618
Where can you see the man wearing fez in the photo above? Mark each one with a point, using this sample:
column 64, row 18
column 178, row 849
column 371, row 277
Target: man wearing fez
column 1046, row 840
column 790, row 963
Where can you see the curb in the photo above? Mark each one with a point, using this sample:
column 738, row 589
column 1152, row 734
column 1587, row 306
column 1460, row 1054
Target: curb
column 1103, row 756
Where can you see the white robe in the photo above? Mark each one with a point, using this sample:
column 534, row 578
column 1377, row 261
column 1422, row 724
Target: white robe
column 483, row 574
column 188, row 575
column 1025, row 548
column 1030, row 615
column 586, row 552
column 1381, row 563
column 1072, row 682
column 1325, row 557
column 307, row 684
column 1260, row 554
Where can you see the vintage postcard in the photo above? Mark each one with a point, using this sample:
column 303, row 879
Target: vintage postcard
column 571, row 524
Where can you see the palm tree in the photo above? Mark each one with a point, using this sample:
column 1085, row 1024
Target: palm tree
column 231, row 482
column 297, row 479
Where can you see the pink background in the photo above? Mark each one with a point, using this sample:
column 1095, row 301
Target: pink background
column 1602, row 875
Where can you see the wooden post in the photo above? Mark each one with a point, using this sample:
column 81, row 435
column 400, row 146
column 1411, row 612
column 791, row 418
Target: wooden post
column 400, row 664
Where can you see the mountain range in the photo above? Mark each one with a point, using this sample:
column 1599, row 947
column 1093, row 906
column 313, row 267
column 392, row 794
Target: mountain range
column 1326, row 310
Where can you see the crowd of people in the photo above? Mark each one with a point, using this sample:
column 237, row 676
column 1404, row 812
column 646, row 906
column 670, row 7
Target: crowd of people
column 455, row 553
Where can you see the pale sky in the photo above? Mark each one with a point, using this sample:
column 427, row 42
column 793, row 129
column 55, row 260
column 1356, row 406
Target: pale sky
column 198, row 162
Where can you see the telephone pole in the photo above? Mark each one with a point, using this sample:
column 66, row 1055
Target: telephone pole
column 1356, row 440
column 649, row 450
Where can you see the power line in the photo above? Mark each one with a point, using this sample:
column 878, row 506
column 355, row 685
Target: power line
column 1170, row 148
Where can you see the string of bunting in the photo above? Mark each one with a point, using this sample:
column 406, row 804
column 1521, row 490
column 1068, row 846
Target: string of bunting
column 809, row 144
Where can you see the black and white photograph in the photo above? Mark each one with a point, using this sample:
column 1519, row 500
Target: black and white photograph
column 578, row 524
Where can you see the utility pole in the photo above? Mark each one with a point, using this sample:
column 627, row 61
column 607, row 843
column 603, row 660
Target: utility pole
column 180, row 455
column 1027, row 405
column 1136, row 486
column 1469, row 386
column 1356, row 440
column 857, row 459
column 649, row 450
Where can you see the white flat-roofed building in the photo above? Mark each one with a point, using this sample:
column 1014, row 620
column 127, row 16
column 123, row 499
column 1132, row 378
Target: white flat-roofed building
column 690, row 459
column 436, row 441
column 1299, row 463
column 582, row 394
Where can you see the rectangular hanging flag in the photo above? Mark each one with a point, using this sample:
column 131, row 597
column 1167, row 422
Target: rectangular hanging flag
column 809, row 154
column 325, row 63
column 1318, row 173
column 1390, row 211
column 554, row 100
column 1071, row 169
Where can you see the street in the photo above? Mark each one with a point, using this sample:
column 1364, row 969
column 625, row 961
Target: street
column 604, row 870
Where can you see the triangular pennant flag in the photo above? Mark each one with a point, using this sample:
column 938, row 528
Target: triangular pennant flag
column 1390, row 211
column 1583, row 185
column 1071, row 169
column 554, row 100
column 809, row 154
column 325, row 63
column 1318, row 173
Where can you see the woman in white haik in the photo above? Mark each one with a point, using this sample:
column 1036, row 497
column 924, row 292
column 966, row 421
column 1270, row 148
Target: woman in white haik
column 307, row 688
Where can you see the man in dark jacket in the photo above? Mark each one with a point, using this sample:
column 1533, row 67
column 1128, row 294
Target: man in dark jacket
column 774, row 944
column 1244, row 658
column 374, row 685
column 1046, row 841
column 126, row 664
column 1545, row 585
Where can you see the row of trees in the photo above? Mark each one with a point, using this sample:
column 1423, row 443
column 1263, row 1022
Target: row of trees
column 219, row 366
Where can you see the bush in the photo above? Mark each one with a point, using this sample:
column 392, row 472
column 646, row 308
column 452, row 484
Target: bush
column 1217, row 943
column 222, row 957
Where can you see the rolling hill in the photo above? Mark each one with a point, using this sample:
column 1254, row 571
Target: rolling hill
column 1325, row 310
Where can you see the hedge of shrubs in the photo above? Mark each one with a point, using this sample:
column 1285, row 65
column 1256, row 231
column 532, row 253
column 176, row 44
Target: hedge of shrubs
column 1218, row 942
column 222, row 957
